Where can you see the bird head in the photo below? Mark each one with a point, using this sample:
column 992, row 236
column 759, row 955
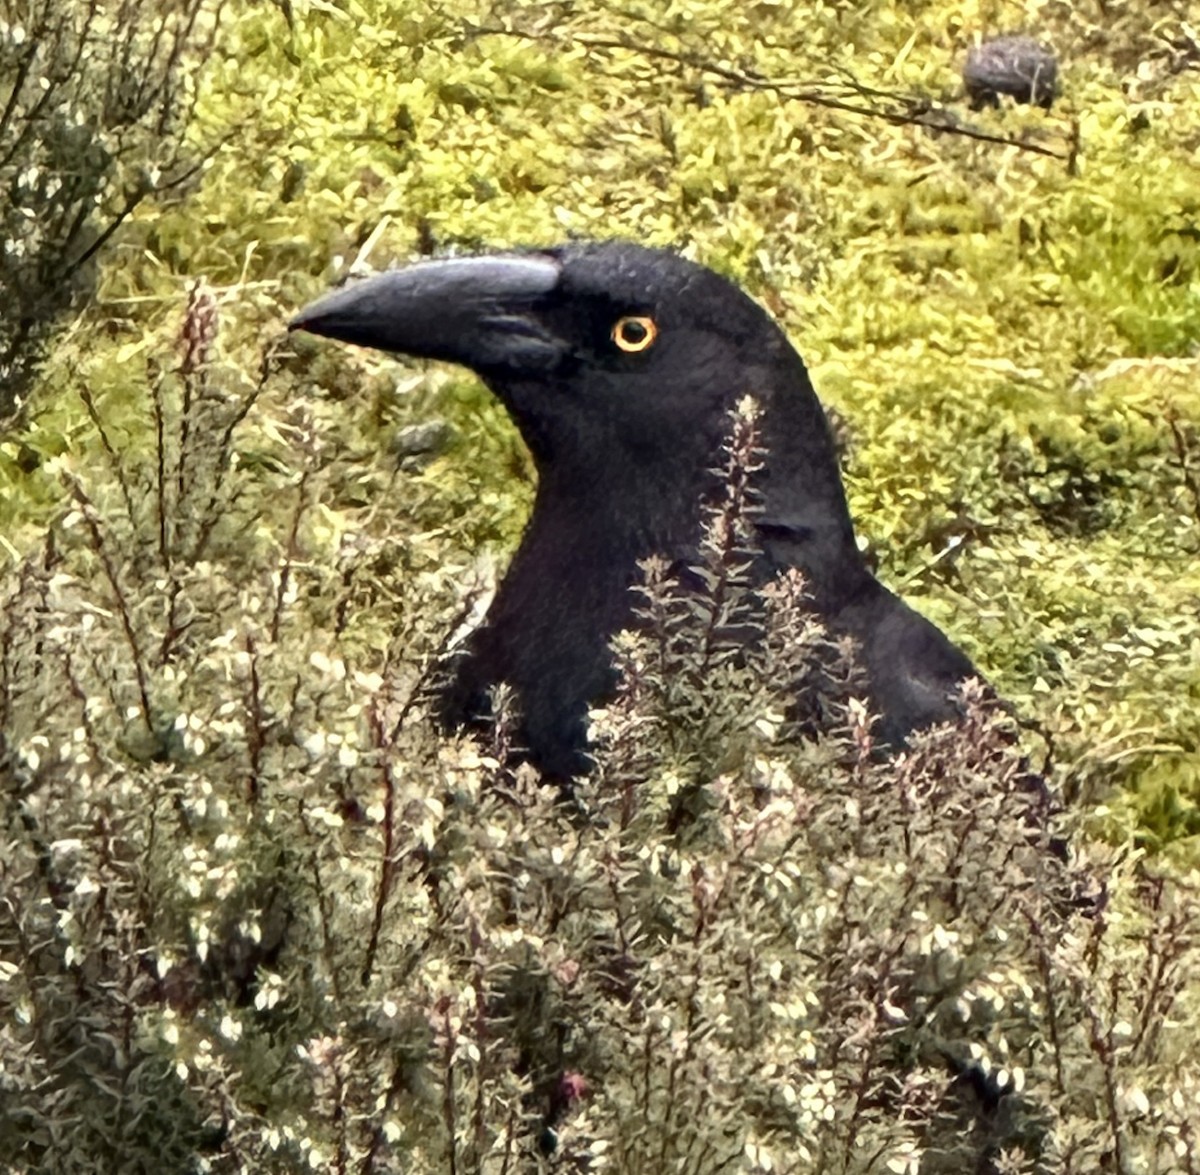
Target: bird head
column 619, row 365
column 582, row 343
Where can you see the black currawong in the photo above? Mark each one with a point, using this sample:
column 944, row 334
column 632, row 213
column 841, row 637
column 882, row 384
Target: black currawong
column 619, row 365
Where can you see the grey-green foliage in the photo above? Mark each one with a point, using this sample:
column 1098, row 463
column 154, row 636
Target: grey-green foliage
column 94, row 101
column 256, row 917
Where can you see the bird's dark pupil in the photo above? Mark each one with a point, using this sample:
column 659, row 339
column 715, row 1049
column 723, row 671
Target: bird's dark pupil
column 633, row 331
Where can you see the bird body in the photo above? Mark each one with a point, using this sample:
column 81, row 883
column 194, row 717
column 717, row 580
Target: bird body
column 620, row 365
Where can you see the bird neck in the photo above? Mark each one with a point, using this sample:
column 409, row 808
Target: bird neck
column 617, row 489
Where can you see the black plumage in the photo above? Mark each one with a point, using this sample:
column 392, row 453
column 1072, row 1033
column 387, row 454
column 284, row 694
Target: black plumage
column 619, row 365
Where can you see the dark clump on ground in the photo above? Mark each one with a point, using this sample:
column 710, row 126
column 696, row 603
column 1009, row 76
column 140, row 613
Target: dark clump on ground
column 1016, row 66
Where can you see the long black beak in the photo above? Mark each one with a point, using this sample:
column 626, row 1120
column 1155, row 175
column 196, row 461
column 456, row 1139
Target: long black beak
column 477, row 311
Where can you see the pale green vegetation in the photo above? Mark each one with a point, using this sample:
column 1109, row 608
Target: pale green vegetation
column 254, row 917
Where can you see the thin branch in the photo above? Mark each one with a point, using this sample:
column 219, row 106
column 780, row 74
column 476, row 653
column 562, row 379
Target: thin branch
column 124, row 609
column 914, row 110
column 291, row 553
column 114, row 461
column 1182, row 458
column 387, row 865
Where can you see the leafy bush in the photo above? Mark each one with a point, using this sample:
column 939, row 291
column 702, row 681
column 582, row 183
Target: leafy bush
column 257, row 918
column 95, row 100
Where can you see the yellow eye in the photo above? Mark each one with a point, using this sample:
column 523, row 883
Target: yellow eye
column 634, row 334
